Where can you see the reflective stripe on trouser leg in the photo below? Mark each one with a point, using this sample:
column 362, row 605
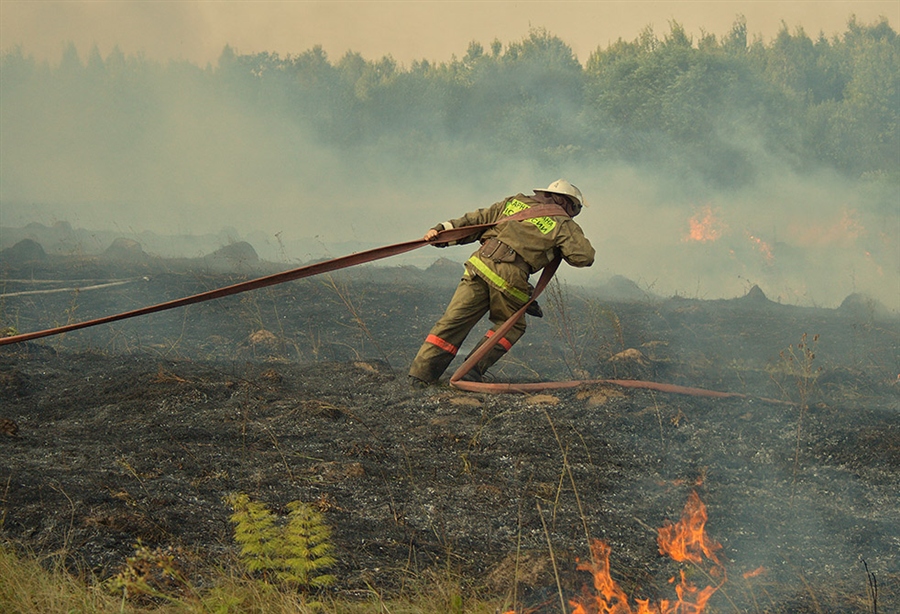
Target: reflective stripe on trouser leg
column 469, row 304
column 504, row 342
column 442, row 343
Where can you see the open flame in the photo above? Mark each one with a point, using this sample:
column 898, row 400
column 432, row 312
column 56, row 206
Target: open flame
column 763, row 248
column 687, row 540
column 705, row 225
column 844, row 231
column 684, row 541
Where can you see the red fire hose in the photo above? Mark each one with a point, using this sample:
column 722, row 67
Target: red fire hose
column 457, row 382
column 254, row 284
column 446, row 236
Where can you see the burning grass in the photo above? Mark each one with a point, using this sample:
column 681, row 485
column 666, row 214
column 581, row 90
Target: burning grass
column 156, row 581
column 685, row 542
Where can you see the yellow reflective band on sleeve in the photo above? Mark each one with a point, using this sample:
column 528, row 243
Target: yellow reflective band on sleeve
column 497, row 280
column 544, row 224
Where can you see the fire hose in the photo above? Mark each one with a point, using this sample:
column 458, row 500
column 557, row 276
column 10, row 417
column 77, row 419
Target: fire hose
column 445, row 236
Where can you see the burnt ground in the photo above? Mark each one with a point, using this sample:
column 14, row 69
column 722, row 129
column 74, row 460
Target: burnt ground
column 136, row 431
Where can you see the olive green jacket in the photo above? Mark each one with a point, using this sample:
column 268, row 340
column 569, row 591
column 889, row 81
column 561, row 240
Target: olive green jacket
column 536, row 240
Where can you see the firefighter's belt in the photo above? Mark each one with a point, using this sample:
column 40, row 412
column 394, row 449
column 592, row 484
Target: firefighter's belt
column 498, row 251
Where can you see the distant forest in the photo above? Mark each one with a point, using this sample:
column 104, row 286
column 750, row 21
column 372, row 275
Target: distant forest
column 716, row 106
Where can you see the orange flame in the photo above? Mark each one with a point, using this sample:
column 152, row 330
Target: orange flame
column 610, row 598
column 763, row 248
column 756, row 572
column 840, row 232
column 875, row 264
column 705, row 225
column 687, row 539
column 684, row 541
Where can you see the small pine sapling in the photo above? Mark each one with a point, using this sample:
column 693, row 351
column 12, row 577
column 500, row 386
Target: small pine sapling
column 295, row 552
column 256, row 532
column 306, row 547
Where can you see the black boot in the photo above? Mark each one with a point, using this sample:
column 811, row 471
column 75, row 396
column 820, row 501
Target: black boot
column 535, row 310
column 472, row 376
column 417, row 384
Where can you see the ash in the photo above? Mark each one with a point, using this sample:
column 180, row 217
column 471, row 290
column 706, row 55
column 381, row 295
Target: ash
column 137, row 430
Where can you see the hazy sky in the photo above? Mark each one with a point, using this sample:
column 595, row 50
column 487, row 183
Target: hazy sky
column 197, row 31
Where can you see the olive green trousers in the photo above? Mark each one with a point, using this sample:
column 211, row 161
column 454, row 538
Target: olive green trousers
column 473, row 298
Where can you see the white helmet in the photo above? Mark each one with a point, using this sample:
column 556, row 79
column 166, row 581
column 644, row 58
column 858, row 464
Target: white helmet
column 561, row 186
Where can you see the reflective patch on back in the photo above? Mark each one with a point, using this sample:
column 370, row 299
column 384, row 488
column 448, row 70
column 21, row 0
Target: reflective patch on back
column 544, row 224
column 514, row 206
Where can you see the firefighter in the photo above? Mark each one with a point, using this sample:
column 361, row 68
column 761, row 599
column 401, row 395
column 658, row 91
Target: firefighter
column 496, row 275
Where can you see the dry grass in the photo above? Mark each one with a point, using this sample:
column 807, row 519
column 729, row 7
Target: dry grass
column 32, row 586
column 26, row 587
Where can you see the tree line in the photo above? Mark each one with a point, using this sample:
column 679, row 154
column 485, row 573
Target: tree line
column 721, row 107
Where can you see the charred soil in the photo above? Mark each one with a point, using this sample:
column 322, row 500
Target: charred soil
column 136, row 431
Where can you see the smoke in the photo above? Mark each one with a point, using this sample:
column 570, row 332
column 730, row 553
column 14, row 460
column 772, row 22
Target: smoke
column 808, row 240
column 174, row 156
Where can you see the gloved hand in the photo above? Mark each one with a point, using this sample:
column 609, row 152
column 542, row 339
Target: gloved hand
column 535, row 310
column 431, row 234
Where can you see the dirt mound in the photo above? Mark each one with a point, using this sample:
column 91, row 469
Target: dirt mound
column 127, row 250
column 755, row 296
column 620, row 288
column 239, row 252
column 26, row 250
column 237, row 257
column 861, row 305
column 445, row 267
